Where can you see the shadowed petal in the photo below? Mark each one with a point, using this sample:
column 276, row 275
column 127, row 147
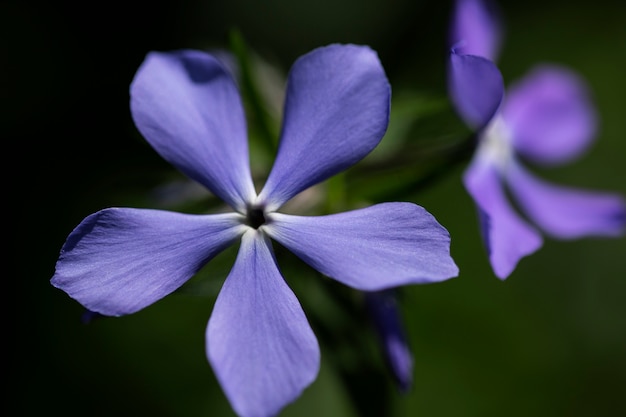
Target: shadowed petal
column 476, row 28
column 565, row 212
column 507, row 237
column 387, row 320
column 259, row 341
column 550, row 115
column 336, row 112
column 118, row 261
column 476, row 88
column 188, row 108
column 374, row 248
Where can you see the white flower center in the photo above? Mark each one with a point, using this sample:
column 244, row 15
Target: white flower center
column 496, row 143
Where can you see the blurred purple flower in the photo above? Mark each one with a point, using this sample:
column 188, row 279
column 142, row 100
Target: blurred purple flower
column 258, row 340
column 546, row 118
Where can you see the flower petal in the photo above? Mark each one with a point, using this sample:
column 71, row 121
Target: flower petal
column 507, row 237
column 336, row 112
column 188, row 108
column 259, row 341
column 550, row 114
column 374, row 248
column 118, row 261
column 386, row 317
column 476, row 28
column 568, row 213
column 475, row 87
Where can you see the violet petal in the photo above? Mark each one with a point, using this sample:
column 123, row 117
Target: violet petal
column 186, row 105
column 507, row 237
column 258, row 340
column 336, row 112
column 476, row 88
column 566, row 212
column 550, row 115
column 476, row 28
column 118, row 260
column 378, row 247
column 386, row 317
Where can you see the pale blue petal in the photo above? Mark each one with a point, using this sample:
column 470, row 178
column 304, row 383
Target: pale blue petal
column 507, row 237
column 550, row 115
column 258, row 340
column 476, row 28
column 475, row 87
column 118, row 260
column 374, row 248
column 187, row 107
column 336, row 112
column 565, row 212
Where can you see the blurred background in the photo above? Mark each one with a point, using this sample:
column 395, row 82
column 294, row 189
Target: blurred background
column 548, row 341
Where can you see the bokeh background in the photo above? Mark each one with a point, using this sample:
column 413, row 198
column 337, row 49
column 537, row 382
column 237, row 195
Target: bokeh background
column 549, row 341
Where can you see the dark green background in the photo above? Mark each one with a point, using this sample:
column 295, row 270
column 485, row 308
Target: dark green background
column 549, row 341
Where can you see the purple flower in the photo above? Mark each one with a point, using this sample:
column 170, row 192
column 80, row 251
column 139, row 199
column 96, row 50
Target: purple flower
column 258, row 340
column 546, row 118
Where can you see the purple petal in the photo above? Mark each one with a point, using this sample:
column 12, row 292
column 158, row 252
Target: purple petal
column 384, row 311
column 118, row 261
column 476, row 88
column 336, row 112
column 188, row 108
column 568, row 213
column 259, row 341
column 550, row 115
column 476, row 28
column 507, row 237
column 370, row 249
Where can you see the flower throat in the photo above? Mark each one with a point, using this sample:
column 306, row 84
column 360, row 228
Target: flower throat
column 255, row 216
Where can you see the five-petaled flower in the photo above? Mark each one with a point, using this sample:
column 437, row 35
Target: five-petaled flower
column 546, row 118
column 258, row 340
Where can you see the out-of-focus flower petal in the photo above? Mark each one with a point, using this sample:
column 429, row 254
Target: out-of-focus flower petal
column 259, row 341
column 88, row 316
column 378, row 247
column 387, row 320
column 336, row 112
column 118, row 261
column 507, row 237
column 188, row 108
column 568, row 213
column 476, row 28
column 550, row 115
column 475, row 87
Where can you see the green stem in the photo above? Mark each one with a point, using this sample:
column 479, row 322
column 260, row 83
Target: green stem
column 412, row 172
column 336, row 193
